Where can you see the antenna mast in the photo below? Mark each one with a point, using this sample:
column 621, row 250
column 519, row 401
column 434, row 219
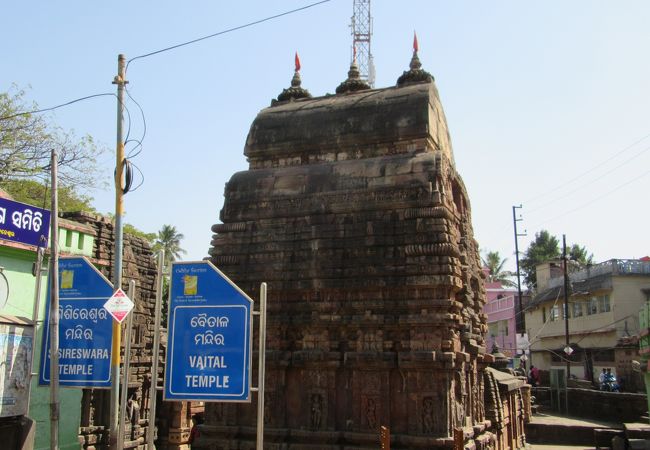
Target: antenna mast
column 361, row 33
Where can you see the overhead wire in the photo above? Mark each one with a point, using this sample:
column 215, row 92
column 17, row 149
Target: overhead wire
column 133, row 153
column 229, row 30
column 141, row 177
column 128, row 165
column 584, row 205
column 36, row 111
column 592, row 181
column 597, row 166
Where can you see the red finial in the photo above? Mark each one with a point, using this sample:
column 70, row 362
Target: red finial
column 297, row 62
column 415, row 42
column 354, row 53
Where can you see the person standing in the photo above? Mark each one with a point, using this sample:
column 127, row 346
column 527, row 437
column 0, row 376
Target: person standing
column 601, row 379
column 534, row 375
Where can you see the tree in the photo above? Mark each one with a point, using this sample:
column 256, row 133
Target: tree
column 495, row 263
column 149, row 237
column 580, row 255
column 34, row 193
column 27, row 140
column 169, row 240
column 546, row 247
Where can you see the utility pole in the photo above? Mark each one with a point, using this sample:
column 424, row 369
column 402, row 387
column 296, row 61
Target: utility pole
column 521, row 321
column 567, row 349
column 120, row 81
column 54, row 309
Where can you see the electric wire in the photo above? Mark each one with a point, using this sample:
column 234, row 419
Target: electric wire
column 36, row 111
column 590, row 182
column 229, row 30
column 133, row 153
column 141, row 178
column 584, row 205
column 597, row 166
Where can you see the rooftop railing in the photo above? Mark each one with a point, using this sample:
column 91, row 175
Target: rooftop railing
column 613, row 267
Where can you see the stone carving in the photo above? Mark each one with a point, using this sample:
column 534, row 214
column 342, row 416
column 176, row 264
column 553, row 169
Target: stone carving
column 371, row 413
column 268, row 408
column 427, row 415
column 316, row 410
column 133, row 410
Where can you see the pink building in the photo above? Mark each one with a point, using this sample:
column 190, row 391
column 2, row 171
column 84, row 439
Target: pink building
column 501, row 311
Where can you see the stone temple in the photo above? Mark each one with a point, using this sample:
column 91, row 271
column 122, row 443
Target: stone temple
column 354, row 214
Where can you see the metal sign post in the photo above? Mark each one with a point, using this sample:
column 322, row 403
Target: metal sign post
column 126, row 367
column 53, row 320
column 156, row 349
column 261, row 367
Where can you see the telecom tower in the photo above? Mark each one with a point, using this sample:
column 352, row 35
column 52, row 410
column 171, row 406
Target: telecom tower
column 361, row 32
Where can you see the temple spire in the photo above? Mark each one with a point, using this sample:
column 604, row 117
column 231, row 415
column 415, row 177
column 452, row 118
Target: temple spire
column 295, row 91
column 354, row 82
column 415, row 74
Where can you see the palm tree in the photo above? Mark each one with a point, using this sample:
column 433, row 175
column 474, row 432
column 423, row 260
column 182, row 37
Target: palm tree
column 495, row 263
column 169, row 240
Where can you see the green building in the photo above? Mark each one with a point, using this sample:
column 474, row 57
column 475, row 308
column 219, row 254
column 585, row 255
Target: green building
column 17, row 262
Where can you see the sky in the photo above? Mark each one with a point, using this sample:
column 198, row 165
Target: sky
column 547, row 102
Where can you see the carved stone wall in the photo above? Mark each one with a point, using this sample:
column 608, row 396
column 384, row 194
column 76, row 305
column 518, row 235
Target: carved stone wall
column 352, row 211
column 139, row 265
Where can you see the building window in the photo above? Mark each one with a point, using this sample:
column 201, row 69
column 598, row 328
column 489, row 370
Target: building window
column 543, row 314
column 555, row 313
column 80, row 242
column 577, row 309
column 603, row 304
column 592, row 306
column 68, row 238
column 493, row 329
column 604, row 356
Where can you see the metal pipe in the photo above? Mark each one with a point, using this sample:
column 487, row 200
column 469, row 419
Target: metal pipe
column 120, row 81
column 54, row 310
column 38, row 269
column 126, row 366
column 156, row 349
column 260, row 369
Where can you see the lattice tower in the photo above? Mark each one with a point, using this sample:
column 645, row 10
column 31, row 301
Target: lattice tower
column 361, row 33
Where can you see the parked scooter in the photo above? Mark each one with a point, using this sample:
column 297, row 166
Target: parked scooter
column 610, row 384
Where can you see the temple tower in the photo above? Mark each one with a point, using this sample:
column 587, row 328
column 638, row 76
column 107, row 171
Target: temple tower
column 354, row 214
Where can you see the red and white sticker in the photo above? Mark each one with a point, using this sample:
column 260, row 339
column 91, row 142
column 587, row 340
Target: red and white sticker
column 119, row 305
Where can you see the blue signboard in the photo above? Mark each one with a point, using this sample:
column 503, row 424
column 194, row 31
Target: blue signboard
column 24, row 223
column 209, row 344
column 85, row 327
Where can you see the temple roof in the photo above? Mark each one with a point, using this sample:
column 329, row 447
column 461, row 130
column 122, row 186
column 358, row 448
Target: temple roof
column 352, row 121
